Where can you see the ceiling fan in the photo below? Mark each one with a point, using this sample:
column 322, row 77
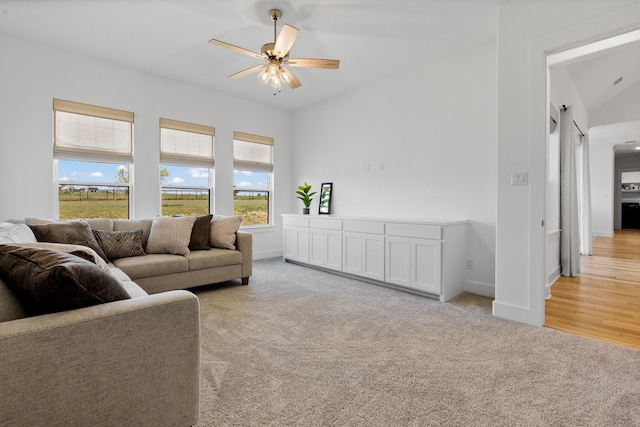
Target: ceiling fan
column 276, row 55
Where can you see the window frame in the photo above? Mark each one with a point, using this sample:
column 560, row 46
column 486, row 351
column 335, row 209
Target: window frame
column 241, row 165
column 62, row 151
column 188, row 161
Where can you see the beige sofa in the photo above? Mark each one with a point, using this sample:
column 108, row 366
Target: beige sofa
column 128, row 362
column 164, row 272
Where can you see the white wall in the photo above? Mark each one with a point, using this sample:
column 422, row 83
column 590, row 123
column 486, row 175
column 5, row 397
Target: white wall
column 32, row 75
column 601, row 162
column 526, row 32
column 433, row 131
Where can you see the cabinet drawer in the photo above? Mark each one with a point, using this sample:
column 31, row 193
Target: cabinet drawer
column 363, row 227
column 295, row 221
column 421, row 231
column 325, row 224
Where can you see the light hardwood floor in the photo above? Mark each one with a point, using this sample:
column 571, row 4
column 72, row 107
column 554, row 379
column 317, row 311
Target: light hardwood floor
column 604, row 301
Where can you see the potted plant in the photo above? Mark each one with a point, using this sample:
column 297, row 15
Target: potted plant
column 304, row 194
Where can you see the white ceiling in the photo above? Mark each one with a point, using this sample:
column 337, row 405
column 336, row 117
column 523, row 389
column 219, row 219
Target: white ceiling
column 594, row 75
column 373, row 39
column 593, row 70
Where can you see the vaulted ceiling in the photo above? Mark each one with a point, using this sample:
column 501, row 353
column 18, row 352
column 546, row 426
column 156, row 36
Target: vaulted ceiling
column 373, row 39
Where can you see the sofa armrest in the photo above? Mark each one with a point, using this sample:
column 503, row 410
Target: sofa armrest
column 244, row 243
column 130, row 362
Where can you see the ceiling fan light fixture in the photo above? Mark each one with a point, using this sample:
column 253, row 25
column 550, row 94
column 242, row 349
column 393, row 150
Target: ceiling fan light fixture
column 275, row 54
column 264, row 76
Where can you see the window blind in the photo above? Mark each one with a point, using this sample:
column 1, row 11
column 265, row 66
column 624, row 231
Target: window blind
column 92, row 133
column 252, row 152
column 186, row 144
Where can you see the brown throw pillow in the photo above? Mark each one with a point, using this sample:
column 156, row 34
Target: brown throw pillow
column 72, row 233
column 223, row 231
column 120, row 244
column 49, row 281
column 200, row 233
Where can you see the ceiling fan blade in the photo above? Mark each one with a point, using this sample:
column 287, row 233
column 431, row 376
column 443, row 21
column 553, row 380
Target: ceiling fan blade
column 235, row 48
column 285, row 40
column 294, row 82
column 247, row 71
column 314, row 63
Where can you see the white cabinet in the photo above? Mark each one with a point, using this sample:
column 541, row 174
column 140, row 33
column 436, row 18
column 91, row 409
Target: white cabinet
column 296, row 239
column 423, row 256
column 414, row 263
column 326, row 249
column 363, row 255
column 363, row 248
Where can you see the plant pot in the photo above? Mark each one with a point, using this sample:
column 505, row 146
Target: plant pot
column 305, row 211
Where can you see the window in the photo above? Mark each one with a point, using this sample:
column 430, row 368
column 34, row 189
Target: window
column 93, row 154
column 186, row 163
column 252, row 178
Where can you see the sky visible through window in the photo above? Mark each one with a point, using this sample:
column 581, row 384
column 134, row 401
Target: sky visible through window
column 77, row 171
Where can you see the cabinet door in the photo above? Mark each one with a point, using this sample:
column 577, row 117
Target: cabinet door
column 426, row 268
column 398, row 260
column 352, row 253
column 296, row 244
column 373, row 256
column 363, row 255
column 326, row 249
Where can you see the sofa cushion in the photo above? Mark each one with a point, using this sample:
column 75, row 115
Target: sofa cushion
column 134, row 224
column 215, row 257
column 72, row 232
column 223, row 231
column 200, row 233
column 105, row 224
column 152, row 265
column 16, row 233
column 48, row 281
column 77, row 250
column 170, row 235
column 11, row 308
column 120, row 244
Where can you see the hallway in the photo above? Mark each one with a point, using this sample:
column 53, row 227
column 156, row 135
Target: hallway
column 604, row 301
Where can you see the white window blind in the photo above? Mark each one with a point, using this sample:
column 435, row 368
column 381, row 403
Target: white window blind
column 252, row 152
column 186, row 144
column 90, row 133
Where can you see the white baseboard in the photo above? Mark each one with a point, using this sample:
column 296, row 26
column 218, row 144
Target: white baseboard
column 553, row 276
column 602, row 233
column 512, row 312
column 478, row 288
column 267, row 254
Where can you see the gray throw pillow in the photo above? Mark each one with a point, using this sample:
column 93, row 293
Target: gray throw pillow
column 48, row 281
column 200, row 233
column 120, row 244
column 72, row 233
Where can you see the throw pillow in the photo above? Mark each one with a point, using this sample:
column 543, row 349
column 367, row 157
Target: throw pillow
column 72, row 233
column 77, row 250
column 223, row 231
column 120, row 244
column 200, row 233
column 16, row 233
column 170, row 235
column 49, row 281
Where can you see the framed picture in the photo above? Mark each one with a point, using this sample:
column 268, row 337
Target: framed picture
column 325, row 198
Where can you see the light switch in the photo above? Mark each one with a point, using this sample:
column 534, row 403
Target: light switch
column 519, row 178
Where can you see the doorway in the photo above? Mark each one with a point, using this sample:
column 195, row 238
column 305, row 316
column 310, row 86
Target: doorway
column 596, row 79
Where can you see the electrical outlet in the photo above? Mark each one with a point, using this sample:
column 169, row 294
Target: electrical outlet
column 469, row 264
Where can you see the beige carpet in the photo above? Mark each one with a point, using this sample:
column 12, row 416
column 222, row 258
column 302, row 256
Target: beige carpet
column 300, row 347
